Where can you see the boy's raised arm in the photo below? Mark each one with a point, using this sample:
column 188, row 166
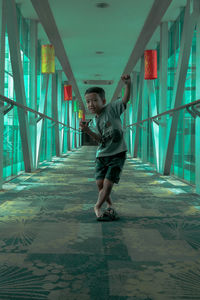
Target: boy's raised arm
column 127, row 81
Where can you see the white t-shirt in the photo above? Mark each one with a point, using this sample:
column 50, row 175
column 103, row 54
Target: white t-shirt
column 108, row 125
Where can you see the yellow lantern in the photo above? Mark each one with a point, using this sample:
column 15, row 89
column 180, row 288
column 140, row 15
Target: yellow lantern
column 48, row 59
column 80, row 114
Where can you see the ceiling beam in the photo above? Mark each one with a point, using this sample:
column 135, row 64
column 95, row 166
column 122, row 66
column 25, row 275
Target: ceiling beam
column 152, row 22
column 47, row 20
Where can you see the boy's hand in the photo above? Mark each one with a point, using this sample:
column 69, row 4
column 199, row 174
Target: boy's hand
column 126, row 79
column 84, row 126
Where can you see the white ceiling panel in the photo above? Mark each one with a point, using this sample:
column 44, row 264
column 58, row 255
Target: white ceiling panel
column 85, row 29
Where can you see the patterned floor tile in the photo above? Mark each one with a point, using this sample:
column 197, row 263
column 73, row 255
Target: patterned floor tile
column 52, row 247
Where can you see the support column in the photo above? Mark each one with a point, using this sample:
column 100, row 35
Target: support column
column 42, row 109
column 59, row 103
column 129, row 121
column 75, row 134
column 71, row 124
column 144, row 125
column 124, row 118
column 33, row 87
column 139, row 106
column 163, row 90
column 127, row 130
column 197, row 121
column 68, row 132
column 2, row 71
column 155, row 126
column 55, row 113
column 13, row 36
column 63, row 142
column 49, row 139
column 68, row 122
column 133, row 116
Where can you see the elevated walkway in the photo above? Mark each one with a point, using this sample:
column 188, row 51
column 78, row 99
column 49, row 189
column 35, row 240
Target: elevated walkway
column 52, row 247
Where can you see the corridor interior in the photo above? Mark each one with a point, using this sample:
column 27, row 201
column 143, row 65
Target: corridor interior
column 52, row 246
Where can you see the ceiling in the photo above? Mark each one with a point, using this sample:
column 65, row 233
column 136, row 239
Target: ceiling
column 84, row 29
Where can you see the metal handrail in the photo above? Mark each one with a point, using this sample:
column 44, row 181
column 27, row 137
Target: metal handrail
column 43, row 116
column 8, row 100
column 166, row 112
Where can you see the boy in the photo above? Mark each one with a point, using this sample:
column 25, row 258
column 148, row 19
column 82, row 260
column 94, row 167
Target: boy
column 111, row 153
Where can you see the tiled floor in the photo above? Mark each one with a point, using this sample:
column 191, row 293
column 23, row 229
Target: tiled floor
column 52, row 247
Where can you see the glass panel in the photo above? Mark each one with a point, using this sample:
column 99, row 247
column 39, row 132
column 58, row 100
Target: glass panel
column 12, row 146
column 184, row 151
column 183, row 162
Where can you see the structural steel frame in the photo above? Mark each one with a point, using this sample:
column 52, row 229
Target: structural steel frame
column 2, row 67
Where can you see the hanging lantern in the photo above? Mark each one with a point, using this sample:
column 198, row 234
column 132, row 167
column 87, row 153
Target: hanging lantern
column 150, row 60
column 48, row 59
column 80, row 114
column 83, row 118
column 76, row 108
column 67, row 92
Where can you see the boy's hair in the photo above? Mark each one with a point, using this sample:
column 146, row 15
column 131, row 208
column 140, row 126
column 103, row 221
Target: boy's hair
column 97, row 90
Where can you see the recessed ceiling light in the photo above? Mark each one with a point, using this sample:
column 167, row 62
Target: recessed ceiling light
column 98, row 82
column 99, row 52
column 102, row 5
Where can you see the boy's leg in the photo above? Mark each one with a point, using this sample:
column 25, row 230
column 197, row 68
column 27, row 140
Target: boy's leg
column 108, row 200
column 100, row 187
column 103, row 195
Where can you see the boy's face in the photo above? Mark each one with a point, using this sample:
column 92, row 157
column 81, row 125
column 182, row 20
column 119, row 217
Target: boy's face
column 94, row 103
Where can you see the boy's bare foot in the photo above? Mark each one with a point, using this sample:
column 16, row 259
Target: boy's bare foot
column 97, row 211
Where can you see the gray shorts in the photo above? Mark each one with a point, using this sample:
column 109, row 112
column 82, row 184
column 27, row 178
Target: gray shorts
column 110, row 167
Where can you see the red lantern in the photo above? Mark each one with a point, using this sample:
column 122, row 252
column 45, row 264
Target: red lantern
column 83, row 118
column 67, row 92
column 150, row 60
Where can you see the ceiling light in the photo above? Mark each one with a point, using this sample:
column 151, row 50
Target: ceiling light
column 102, row 5
column 97, row 82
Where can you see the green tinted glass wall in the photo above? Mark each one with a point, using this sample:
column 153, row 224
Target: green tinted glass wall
column 183, row 164
column 12, row 151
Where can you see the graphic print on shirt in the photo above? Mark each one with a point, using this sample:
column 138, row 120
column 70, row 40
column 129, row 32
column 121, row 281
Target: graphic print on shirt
column 110, row 134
